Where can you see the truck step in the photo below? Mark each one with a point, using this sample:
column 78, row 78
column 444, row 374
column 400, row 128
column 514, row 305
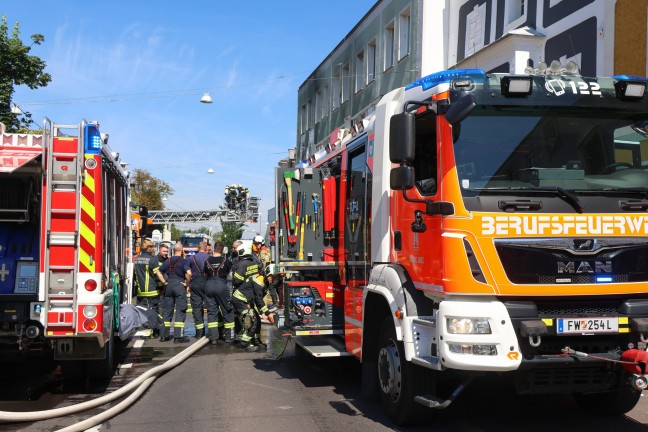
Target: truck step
column 322, row 345
column 429, row 362
column 435, row 402
column 431, row 401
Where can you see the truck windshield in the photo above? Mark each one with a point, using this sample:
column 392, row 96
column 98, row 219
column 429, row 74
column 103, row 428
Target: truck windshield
column 582, row 151
column 191, row 241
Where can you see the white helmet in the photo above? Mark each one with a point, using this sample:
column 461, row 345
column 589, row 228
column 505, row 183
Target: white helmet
column 258, row 239
column 244, row 249
column 271, row 269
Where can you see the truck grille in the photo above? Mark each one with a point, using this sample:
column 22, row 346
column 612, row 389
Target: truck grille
column 559, row 380
column 558, row 261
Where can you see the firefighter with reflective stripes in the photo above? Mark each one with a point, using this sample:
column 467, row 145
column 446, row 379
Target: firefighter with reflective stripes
column 247, row 299
column 196, row 263
column 149, row 280
column 218, row 297
column 175, row 296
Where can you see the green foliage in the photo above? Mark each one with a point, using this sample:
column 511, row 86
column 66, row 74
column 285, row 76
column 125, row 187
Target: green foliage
column 148, row 190
column 231, row 231
column 17, row 67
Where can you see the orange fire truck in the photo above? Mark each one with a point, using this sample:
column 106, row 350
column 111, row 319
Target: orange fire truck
column 64, row 245
column 478, row 223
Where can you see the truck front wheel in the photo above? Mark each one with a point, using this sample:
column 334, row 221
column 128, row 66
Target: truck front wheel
column 400, row 381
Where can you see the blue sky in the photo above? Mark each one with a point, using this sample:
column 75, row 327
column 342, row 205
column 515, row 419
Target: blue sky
column 140, row 67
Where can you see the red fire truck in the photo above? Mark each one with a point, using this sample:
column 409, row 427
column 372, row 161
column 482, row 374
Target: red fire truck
column 478, row 223
column 64, row 245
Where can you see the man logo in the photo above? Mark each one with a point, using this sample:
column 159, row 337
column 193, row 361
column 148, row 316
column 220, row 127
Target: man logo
column 584, row 267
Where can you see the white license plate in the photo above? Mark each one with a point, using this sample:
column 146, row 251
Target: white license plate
column 587, row 325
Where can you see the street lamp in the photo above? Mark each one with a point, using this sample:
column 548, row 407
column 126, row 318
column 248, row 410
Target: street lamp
column 210, row 171
column 206, row 98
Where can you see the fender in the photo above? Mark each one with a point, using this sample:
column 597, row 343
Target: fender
column 392, row 282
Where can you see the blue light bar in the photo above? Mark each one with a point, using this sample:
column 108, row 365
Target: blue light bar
column 603, row 279
column 630, row 78
column 92, row 139
column 435, row 79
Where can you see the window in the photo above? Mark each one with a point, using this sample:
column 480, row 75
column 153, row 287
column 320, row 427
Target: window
column 337, row 90
column 309, row 117
column 318, row 105
column 371, row 61
column 359, row 72
column 346, row 82
column 302, row 123
column 325, row 101
column 425, row 165
column 389, row 45
column 403, row 33
column 515, row 10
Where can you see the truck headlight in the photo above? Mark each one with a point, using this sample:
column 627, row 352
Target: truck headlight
column 468, row 326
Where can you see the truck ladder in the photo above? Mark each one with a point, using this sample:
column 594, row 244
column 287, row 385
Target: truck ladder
column 63, row 166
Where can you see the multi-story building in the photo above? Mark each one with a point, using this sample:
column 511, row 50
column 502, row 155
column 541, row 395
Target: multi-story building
column 399, row 41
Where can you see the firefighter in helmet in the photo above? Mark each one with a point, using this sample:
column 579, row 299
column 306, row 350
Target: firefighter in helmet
column 261, row 251
column 247, row 299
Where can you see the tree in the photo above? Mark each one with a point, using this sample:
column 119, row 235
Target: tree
column 231, row 231
column 148, row 190
column 17, row 67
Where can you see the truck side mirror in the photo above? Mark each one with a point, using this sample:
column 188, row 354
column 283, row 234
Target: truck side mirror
column 401, row 178
column 402, row 138
column 461, row 109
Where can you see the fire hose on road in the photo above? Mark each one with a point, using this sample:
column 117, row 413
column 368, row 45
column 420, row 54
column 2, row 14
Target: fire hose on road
column 138, row 387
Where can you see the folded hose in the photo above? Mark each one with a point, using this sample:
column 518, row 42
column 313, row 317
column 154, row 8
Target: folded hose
column 142, row 383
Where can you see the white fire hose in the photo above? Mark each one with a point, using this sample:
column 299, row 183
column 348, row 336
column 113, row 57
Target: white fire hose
column 142, row 383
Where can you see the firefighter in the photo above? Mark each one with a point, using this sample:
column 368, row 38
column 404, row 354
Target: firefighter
column 261, row 252
column 175, row 296
column 148, row 278
column 274, row 280
column 218, row 297
column 247, row 299
column 196, row 263
column 163, row 255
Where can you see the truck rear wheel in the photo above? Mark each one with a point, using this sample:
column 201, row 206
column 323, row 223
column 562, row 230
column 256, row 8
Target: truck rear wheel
column 399, row 381
column 103, row 369
column 612, row 403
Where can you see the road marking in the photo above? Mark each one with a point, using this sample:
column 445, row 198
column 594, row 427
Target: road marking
column 138, row 344
column 126, row 366
column 267, row 386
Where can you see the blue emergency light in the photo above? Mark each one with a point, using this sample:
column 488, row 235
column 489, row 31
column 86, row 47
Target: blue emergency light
column 92, row 139
column 435, row 79
column 603, row 279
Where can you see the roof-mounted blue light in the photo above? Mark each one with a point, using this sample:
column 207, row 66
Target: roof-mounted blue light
column 435, row 79
column 629, row 78
column 92, row 139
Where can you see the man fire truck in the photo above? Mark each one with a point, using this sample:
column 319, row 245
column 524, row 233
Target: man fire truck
column 478, row 223
column 190, row 242
column 64, row 245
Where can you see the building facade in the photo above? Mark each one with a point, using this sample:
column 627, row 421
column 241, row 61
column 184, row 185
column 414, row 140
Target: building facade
column 399, row 41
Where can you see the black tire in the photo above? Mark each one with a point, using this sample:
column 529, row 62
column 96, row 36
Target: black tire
column 612, row 403
column 103, row 369
column 400, row 381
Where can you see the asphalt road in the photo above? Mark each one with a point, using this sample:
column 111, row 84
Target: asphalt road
column 222, row 388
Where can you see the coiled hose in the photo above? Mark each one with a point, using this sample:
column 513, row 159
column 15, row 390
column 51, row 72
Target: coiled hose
column 139, row 385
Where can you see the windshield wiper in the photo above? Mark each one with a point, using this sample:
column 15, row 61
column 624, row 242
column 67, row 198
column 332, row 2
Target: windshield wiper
column 639, row 190
column 567, row 196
